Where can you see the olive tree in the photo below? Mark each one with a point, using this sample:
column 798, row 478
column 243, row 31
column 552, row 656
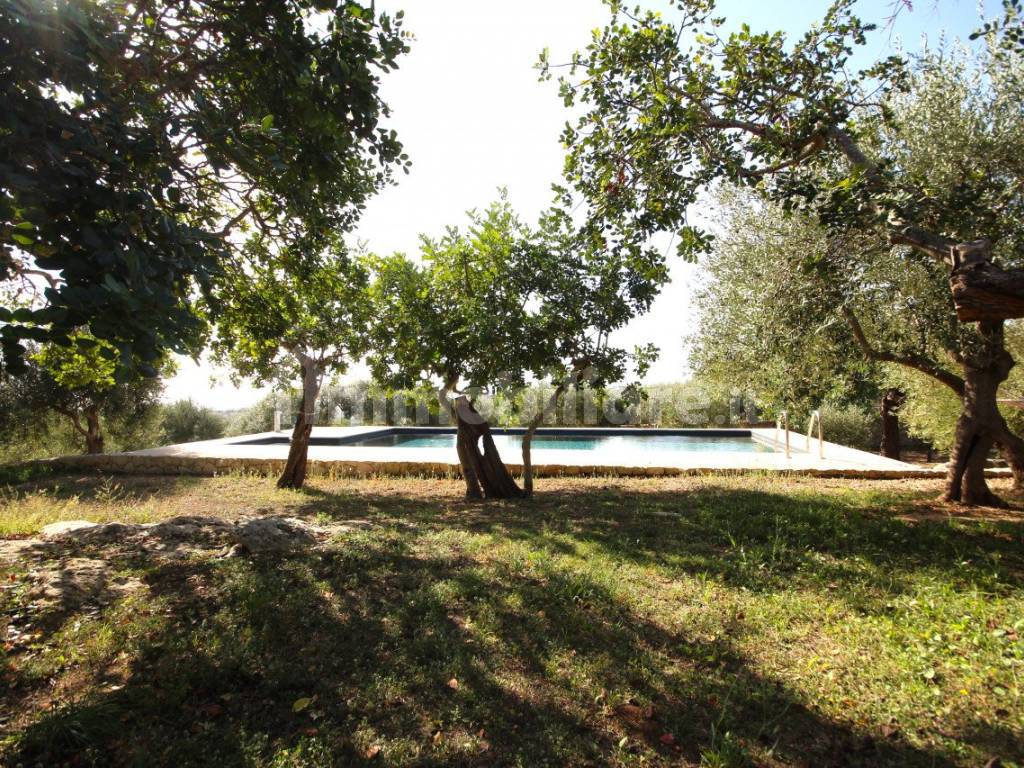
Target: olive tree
column 84, row 387
column 800, row 335
column 672, row 106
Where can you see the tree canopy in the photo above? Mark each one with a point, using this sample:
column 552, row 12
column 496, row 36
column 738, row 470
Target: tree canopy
column 501, row 303
column 291, row 309
column 138, row 137
column 672, row 106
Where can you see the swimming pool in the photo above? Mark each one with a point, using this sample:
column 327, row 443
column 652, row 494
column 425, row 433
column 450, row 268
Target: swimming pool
column 363, row 450
column 598, row 440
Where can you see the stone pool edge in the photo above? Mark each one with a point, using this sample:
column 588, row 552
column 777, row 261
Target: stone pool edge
column 225, row 456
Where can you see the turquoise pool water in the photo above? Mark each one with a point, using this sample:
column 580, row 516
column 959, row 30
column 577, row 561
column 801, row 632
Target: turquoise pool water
column 631, row 443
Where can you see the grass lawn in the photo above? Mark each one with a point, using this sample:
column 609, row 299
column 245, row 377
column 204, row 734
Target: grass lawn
column 718, row 621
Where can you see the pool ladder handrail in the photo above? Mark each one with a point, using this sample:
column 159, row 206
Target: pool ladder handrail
column 782, row 422
column 815, row 419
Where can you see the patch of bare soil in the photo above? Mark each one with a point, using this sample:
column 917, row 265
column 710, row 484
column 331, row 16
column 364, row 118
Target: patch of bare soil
column 74, row 563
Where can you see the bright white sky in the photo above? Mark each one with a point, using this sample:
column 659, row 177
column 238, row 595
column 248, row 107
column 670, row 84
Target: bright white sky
column 468, row 107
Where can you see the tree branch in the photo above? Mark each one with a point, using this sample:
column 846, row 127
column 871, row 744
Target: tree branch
column 853, row 152
column 920, row 363
column 936, row 246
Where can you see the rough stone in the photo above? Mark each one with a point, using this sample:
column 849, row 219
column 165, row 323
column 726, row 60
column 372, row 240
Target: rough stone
column 64, row 527
column 276, row 534
column 73, row 581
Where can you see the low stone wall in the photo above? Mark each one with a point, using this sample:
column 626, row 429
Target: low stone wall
column 134, row 464
column 130, row 464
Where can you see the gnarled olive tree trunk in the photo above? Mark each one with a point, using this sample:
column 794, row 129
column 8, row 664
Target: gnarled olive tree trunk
column 981, row 426
column 294, row 475
column 483, row 470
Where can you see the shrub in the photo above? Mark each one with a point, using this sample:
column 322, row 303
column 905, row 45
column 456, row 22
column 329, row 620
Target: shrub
column 850, row 425
column 260, row 417
column 186, row 422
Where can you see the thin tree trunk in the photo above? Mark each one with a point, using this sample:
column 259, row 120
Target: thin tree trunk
column 531, row 430
column 981, row 425
column 294, row 475
column 892, row 400
column 94, row 435
column 485, row 473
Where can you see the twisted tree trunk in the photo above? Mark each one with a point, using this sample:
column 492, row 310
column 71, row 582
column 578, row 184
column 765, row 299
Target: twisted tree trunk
column 485, row 473
column 294, row 475
column 892, row 400
column 981, row 426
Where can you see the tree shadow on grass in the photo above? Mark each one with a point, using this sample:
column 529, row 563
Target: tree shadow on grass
column 762, row 541
column 436, row 659
column 400, row 638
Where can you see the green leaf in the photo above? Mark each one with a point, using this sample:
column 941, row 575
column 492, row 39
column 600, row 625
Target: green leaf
column 301, row 704
column 22, row 239
column 267, row 122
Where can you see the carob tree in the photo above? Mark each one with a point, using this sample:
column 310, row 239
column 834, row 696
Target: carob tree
column 285, row 310
column 673, row 104
column 490, row 307
column 136, row 138
column 458, row 320
column 581, row 290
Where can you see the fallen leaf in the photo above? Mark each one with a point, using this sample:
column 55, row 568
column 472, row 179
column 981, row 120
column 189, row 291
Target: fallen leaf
column 301, row 704
column 667, row 739
column 372, row 752
column 438, row 737
column 453, row 684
